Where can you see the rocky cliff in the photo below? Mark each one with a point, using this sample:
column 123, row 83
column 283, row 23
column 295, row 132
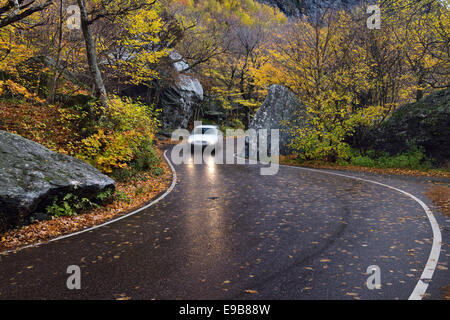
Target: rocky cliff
column 297, row 8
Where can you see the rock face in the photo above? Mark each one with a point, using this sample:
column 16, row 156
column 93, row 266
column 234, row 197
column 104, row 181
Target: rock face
column 425, row 123
column 179, row 101
column 280, row 110
column 297, row 8
column 31, row 177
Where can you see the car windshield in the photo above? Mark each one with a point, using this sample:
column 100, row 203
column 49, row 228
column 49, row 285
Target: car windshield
column 204, row 131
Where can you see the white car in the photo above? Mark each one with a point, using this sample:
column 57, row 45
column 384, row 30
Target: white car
column 204, row 136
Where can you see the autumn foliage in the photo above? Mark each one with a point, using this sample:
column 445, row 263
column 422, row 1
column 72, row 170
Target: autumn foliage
column 349, row 77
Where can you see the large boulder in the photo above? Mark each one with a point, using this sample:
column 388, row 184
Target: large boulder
column 280, row 110
column 31, row 177
column 178, row 101
column 425, row 123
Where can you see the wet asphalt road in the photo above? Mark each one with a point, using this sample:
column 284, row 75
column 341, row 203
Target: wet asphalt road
column 225, row 229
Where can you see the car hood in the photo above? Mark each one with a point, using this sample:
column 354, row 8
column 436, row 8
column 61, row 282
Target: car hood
column 204, row 137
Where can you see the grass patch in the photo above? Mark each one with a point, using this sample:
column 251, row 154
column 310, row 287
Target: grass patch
column 413, row 159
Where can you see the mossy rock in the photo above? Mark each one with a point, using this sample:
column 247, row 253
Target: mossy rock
column 425, row 123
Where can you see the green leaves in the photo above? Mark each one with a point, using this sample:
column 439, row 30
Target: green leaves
column 70, row 205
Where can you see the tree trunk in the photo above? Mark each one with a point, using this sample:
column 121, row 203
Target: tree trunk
column 92, row 55
column 51, row 96
column 419, row 92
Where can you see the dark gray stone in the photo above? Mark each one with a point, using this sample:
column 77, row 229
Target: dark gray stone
column 179, row 100
column 31, row 177
column 280, row 110
column 425, row 123
column 297, row 8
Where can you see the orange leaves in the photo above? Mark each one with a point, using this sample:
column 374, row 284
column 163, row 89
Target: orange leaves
column 440, row 195
column 39, row 123
column 251, row 291
column 17, row 90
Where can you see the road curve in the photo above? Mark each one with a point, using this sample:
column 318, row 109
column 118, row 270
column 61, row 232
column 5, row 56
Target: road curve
column 226, row 232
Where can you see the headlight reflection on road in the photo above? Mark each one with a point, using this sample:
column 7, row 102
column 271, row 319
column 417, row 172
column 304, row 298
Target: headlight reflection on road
column 211, row 164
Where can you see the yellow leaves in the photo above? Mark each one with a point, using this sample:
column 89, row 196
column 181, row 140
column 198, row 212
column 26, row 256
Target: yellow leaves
column 352, row 294
column 13, row 49
column 141, row 30
column 132, row 125
column 122, row 296
column 17, row 90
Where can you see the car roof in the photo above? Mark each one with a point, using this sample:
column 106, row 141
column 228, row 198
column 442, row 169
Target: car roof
column 206, row 126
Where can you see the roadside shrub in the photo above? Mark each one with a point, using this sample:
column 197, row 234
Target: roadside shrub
column 145, row 156
column 106, row 196
column 415, row 158
column 70, row 205
column 107, row 151
column 124, row 138
column 363, row 161
column 123, row 197
column 157, row 171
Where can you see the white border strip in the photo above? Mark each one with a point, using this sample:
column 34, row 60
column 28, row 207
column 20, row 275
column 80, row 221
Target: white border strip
column 172, row 186
column 421, row 287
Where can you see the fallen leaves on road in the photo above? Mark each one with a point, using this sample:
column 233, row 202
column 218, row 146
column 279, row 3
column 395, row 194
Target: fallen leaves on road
column 122, row 296
column 251, row 291
column 440, row 195
column 447, row 292
column 291, row 161
column 149, row 187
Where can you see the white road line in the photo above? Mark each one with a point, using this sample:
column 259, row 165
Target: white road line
column 421, row 287
column 172, row 186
